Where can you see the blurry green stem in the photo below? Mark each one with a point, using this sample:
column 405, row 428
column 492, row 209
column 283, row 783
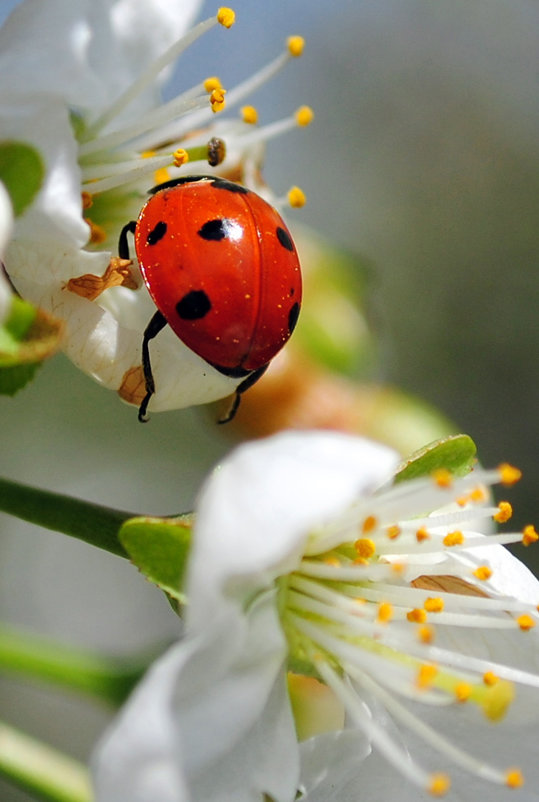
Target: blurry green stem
column 92, row 523
column 105, row 678
column 45, row 772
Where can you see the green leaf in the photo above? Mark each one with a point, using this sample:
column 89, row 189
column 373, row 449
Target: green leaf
column 159, row 547
column 22, row 172
column 16, row 377
column 456, row 454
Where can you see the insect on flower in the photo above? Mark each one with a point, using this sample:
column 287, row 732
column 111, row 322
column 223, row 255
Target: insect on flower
column 223, row 271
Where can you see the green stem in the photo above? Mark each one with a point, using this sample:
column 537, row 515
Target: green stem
column 43, row 771
column 92, row 523
column 105, row 678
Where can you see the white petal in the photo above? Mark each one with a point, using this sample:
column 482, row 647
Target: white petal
column 332, row 762
column 510, row 576
column 136, row 760
column 256, row 510
column 6, row 219
column 55, row 215
column 105, row 45
column 6, row 226
column 212, row 715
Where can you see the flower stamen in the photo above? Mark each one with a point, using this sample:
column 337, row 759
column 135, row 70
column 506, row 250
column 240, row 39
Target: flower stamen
column 385, row 645
column 150, row 74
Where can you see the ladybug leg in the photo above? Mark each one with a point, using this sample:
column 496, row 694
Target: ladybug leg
column 123, row 247
column 156, row 324
column 251, row 379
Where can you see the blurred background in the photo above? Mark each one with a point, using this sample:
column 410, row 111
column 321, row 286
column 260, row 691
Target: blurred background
column 422, row 161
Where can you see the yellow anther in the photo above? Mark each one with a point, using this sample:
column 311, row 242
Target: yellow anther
column 505, row 511
column 417, row 616
column 295, row 45
column 453, row 539
column 97, row 233
column 426, row 675
column 180, row 157
column 434, row 604
column 514, row 778
column 226, row 17
column 463, row 691
column 398, row 568
column 497, row 698
column 332, row 561
column 483, row 572
column 304, row 116
column 161, row 176
column 296, row 197
column 525, row 622
column 217, row 99
column 212, row 83
column 393, row 531
column 529, row 535
column 439, row 784
column 425, row 634
column 490, row 678
column 385, row 612
column 249, row 115
column 365, row 547
column 509, row 475
column 422, row 534
column 442, row 477
column 369, row 524
column 87, row 200
column 478, row 495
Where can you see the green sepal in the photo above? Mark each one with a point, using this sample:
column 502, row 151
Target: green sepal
column 456, row 453
column 22, row 172
column 27, row 337
column 14, row 378
column 159, row 547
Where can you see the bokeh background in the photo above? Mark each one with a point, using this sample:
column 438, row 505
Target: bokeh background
column 423, row 159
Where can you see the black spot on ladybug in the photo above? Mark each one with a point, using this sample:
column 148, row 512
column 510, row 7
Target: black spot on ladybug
column 292, row 291
column 293, row 317
column 284, row 238
column 194, row 305
column 157, row 233
column 221, row 228
column 222, row 183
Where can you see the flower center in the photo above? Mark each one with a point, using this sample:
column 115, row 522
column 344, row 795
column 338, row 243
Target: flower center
column 379, row 584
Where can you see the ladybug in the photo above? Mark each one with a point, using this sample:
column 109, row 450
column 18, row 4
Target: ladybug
column 223, row 272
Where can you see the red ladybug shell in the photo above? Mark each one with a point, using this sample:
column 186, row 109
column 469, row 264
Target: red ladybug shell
column 221, row 267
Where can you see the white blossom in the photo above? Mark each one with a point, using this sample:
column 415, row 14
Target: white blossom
column 84, row 89
column 306, row 557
